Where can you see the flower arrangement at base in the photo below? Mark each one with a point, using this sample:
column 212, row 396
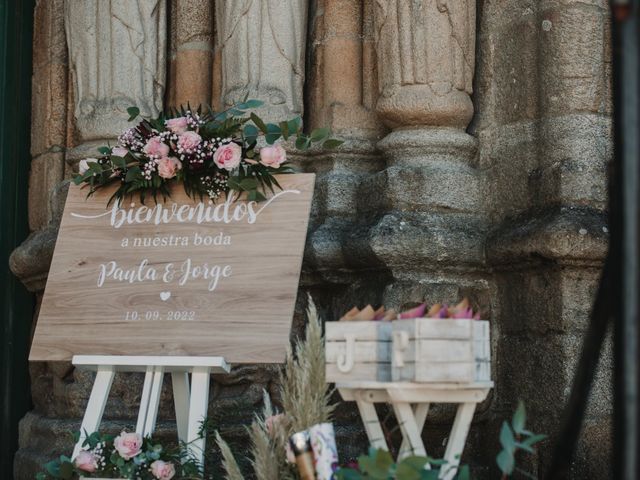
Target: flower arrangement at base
column 210, row 153
column 126, row 456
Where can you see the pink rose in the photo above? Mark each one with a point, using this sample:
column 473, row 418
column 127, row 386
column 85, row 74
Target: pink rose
column 119, row 151
column 189, row 141
column 163, row 470
column 168, row 167
column 86, row 461
column 83, row 166
column 177, row 125
column 273, row 156
column 228, row 156
column 156, row 148
column 128, row 445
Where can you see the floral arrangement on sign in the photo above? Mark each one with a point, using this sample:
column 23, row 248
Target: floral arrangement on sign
column 127, row 455
column 210, row 153
column 462, row 310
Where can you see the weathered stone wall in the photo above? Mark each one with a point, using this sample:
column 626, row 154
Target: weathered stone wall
column 417, row 204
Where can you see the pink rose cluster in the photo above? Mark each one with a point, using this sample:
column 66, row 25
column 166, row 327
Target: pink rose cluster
column 128, row 445
column 163, row 470
column 159, row 151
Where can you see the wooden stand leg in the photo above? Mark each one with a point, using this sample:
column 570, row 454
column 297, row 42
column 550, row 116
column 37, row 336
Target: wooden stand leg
column 145, row 397
column 198, row 404
column 409, row 428
column 180, row 381
column 372, row 424
column 457, row 439
column 420, row 412
column 96, row 404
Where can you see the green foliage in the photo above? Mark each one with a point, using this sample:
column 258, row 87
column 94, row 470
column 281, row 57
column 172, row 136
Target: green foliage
column 515, row 437
column 379, row 465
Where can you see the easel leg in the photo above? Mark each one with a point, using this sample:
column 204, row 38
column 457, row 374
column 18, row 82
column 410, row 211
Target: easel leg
column 409, row 428
column 96, row 404
column 154, row 401
column 420, row 412
column 198, row 404
column 180, row 381
column 372, row 424
column 144, row 400
column 457, row 439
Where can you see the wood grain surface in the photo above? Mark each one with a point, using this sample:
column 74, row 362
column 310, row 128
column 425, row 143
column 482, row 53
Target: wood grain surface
column 245, row 318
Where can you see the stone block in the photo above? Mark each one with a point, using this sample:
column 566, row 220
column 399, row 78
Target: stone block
column 572, row 56
column 47, row 171
column 193, row 77
column 49, row 108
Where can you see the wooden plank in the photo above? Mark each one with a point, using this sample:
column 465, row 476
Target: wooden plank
column 174, row 278
column 364, row 330
column 380, row 372
column 365, row 352
column 139, row 363
column 435, row 372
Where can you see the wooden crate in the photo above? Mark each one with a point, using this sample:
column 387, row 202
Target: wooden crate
column 440, row 350
column 358, row 351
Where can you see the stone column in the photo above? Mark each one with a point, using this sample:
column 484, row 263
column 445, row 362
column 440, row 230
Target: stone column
column 432, row 233
column 191, row 63
column 262, row 46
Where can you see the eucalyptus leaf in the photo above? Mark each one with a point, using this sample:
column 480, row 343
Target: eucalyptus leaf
column 294, row 125
column 259, row 123
column 506, row 462
column 332, row 143
column 133, row 112
column 519, row 418
column 507, row 440
column 319, row 134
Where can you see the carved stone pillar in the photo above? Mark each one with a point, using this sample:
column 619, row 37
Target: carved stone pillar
column 432, row 234
column 426, row 61
column 262, row 48
column 117, row 51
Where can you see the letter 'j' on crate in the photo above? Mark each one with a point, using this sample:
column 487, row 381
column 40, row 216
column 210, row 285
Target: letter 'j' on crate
column 358, row 351
column 440, row 350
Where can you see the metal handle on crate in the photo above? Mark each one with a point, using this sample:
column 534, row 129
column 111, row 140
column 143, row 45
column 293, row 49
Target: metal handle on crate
column 346, row 360
column 400, row 344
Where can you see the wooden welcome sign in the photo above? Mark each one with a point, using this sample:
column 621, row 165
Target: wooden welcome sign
column 182, row 277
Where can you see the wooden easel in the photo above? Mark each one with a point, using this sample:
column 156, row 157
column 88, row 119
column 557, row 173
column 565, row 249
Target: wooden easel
column 191, row 401
column 410, row 403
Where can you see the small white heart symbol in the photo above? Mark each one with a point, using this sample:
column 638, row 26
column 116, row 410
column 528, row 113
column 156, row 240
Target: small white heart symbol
column 164, row 296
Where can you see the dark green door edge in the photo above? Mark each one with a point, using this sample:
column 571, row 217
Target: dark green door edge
column 16, row 304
